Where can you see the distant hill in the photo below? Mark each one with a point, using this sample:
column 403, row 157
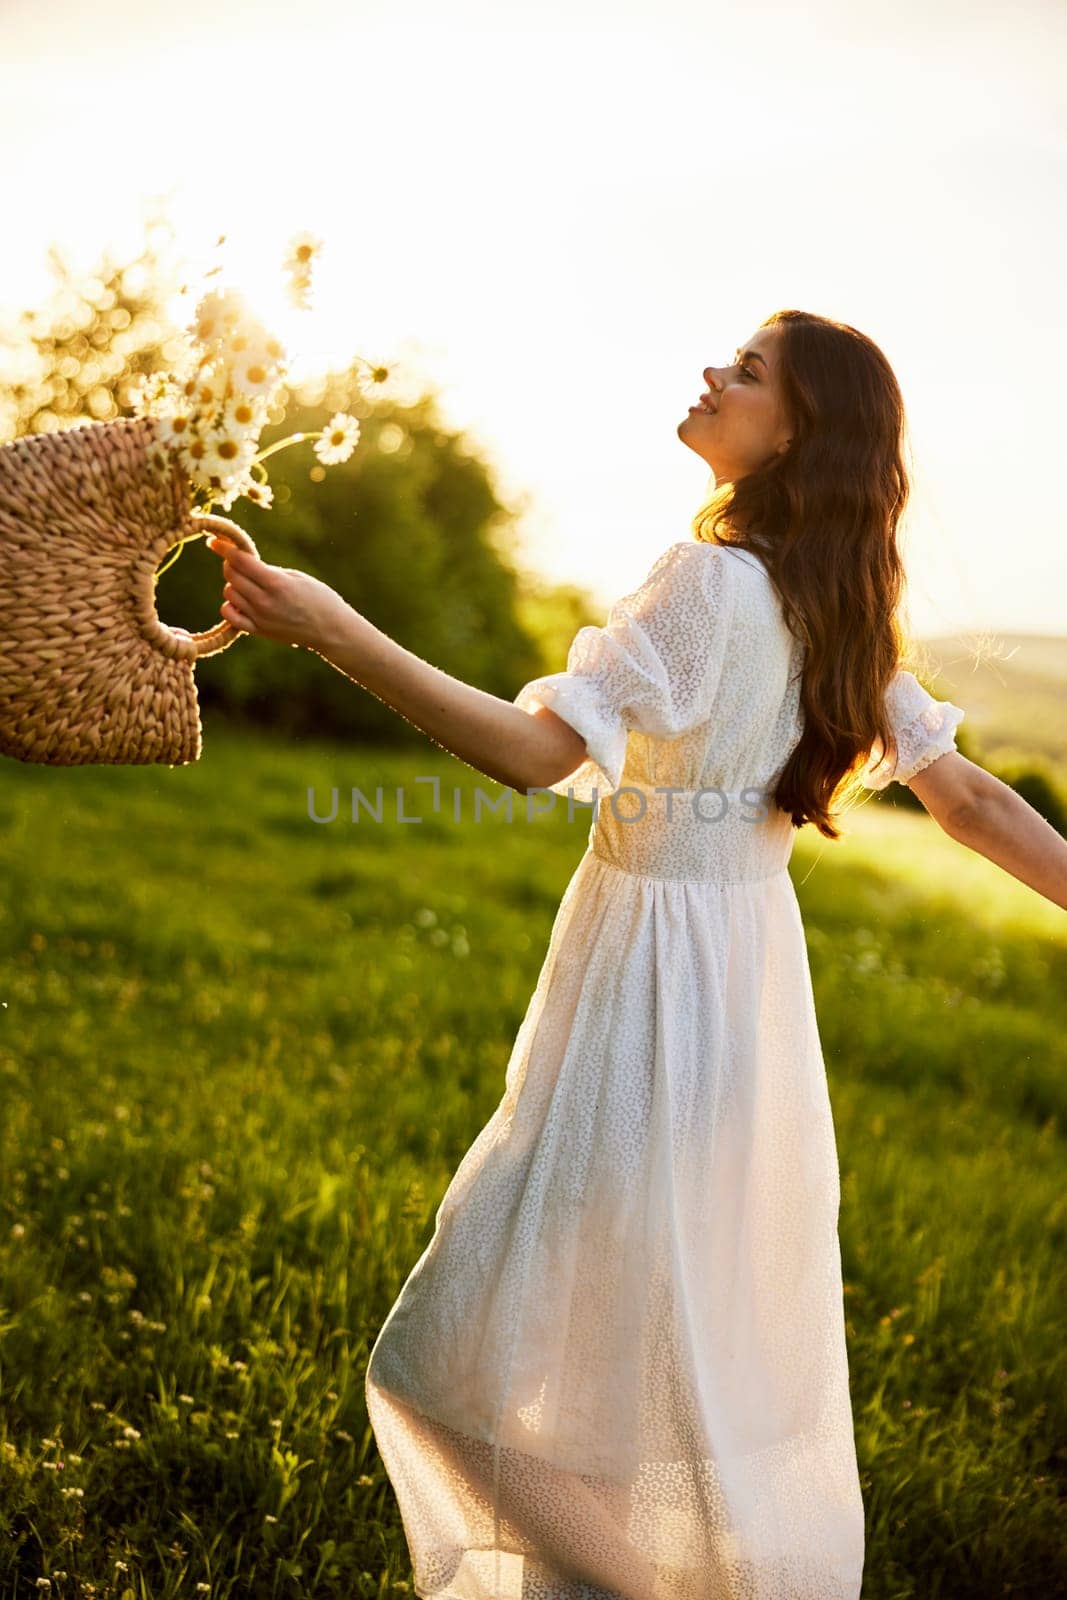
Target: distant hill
column 1013, row 687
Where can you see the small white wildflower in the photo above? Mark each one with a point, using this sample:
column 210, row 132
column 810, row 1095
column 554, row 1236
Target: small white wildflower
column 178, row 426
column 130, row 1433
column 339, row 438
column 228, row 490
column 257, row 375
column 120, row 1566
column 303, row 249
column 260, row 494
column 269, row 1518
column 217, row 315
column 241, row 414
column 227, row 455
column 17, row 1230
column 187, row 1400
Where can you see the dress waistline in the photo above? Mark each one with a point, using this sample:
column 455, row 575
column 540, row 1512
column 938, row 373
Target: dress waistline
column 700, row 835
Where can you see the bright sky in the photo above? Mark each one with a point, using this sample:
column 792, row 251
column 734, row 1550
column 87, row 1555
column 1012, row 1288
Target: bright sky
column 560, row 212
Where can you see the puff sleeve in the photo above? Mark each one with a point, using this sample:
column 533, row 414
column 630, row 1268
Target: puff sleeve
column 924, row 728
column 654, row 666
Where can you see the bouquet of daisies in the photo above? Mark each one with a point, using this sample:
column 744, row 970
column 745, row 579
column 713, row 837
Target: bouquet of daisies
column 211, row 408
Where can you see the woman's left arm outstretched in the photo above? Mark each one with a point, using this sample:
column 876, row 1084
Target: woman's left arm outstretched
column 981, row 811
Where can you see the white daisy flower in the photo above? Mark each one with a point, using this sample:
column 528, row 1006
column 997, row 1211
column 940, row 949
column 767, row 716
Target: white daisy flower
column 177, row 426
column 226, row 458
column 254, row 373
column 302, row 250
column 244, row 413
column 373, row 379
column 217, row 315
column 339, row 439
column 155, row 394
column 208, row 387
column 191, row 453
column 260, row 494
column 233, row 487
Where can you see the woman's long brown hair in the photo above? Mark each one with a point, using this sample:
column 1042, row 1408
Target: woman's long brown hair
column 823, row 516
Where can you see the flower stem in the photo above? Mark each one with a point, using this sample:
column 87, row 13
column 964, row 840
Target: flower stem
column 294, row 438
column 177, row 552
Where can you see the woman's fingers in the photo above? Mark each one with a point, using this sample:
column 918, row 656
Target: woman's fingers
column 241, row 563
column 237, row 617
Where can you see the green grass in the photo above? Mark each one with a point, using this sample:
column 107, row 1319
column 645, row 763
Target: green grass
column 241, row 1055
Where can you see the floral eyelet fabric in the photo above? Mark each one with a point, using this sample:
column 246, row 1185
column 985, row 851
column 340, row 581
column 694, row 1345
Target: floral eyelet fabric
column 618, row 1370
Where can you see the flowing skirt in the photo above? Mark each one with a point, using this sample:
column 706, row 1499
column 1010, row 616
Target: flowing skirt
column 618, row 1370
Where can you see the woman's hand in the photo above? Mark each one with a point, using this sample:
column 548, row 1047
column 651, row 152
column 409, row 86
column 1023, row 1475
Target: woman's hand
column 277, row 603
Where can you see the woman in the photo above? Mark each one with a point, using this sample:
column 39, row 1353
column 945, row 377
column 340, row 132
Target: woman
column 618, row 1369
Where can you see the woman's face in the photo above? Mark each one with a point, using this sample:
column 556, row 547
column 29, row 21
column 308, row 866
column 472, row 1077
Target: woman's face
column 748, row 425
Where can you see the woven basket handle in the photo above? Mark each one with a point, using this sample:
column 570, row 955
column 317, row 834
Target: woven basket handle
column 222, row 635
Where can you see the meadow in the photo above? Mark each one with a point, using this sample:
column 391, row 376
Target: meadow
column 241, row 1054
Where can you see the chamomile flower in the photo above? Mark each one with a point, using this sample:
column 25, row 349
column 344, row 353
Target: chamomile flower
column 192, row 452
column 226, row 458
column 208, row 387
column 175, row 427
column 255, row 373
column 303, row 249
column 244, row 413
column 234, row 486
column 154, row 394
column 260, row 494
column 339, row 439
column 217, row 315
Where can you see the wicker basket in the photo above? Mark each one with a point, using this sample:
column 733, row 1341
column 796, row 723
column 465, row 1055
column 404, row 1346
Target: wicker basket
column 88, row 672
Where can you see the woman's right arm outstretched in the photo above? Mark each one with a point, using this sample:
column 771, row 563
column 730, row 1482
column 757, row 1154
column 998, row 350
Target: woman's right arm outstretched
column 982, row 812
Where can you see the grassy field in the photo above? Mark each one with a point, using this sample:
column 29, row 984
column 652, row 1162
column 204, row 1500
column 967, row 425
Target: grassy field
column 241, row 1055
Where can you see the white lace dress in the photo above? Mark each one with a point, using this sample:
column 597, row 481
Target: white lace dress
column 618, row 1370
